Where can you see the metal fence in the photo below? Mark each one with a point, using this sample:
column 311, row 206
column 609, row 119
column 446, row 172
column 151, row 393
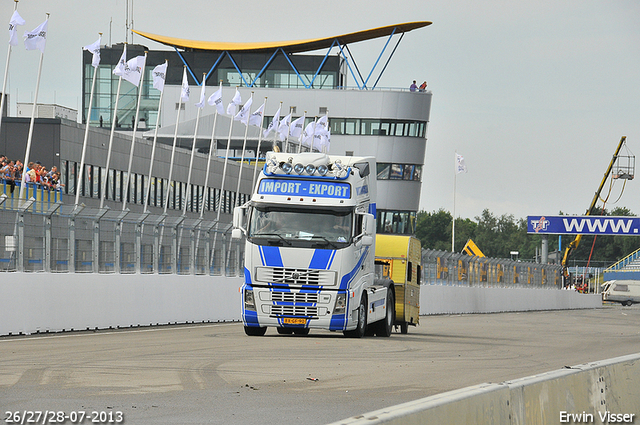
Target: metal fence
column 449, row 268
column 41, row 236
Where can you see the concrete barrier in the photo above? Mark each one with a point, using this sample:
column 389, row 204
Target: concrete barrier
column 601, row 392
column 53, row 302
column 443, row 299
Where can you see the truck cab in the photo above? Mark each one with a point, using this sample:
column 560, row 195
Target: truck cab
column 310, row 244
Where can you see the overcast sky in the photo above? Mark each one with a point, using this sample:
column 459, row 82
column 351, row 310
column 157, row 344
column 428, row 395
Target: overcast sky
column 534, row 95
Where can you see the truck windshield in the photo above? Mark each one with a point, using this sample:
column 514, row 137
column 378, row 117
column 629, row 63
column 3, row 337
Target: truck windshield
column 289, row 227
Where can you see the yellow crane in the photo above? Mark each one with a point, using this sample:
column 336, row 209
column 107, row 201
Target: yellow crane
column 622, row 172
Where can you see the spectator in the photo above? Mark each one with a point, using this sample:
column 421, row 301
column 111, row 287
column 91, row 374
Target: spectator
column 413, row 86
column 423, row 87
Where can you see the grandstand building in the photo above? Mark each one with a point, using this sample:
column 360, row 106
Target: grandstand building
column 388, row 123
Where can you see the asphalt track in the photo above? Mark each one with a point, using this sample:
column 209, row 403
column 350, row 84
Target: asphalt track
column 213, row 373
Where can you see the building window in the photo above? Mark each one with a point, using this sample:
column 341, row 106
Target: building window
column 396, row 222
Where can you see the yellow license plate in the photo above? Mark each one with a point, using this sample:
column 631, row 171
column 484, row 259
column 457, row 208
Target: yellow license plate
column 294, row 321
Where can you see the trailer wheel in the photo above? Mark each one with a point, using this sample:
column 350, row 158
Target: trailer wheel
column 360, row 329
column 385, row 326
column 255, row 331
column 627, row 303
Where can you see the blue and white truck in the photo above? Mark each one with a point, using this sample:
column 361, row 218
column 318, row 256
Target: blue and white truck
column 310, row 248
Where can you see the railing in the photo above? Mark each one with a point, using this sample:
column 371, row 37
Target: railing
column 628, row 263
column 447, row 268
column 37, row 236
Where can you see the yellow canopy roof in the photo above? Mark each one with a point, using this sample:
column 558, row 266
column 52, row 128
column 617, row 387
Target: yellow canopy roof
column 289, row 46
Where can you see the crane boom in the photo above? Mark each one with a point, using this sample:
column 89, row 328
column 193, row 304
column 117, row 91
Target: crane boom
column 574, row 243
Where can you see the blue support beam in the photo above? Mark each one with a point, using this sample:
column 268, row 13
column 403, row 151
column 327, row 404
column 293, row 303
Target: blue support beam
column 350, row 61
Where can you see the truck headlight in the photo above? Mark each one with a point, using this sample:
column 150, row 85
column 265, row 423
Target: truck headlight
column 341, row 304
column 249, row 301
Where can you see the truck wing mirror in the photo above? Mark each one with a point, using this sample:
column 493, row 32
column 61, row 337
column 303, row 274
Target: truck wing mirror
column 238, row 222
column 369, row 224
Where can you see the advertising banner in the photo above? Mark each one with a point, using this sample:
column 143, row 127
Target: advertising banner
column 583, row 225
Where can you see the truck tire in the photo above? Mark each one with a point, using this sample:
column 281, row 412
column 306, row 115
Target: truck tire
column 404, row 328
column 255, row 331
column 361, row 327
column 285, row 331
column 385, row 326
column 301, row 331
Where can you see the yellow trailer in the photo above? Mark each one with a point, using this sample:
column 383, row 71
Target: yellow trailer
column 399, row 258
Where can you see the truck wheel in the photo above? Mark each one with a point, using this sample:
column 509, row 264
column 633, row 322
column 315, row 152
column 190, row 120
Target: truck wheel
column 361, row 327
column 404, row 328
column 385, row 326
column 301, row 331
column 255, row 331
column 285, row 331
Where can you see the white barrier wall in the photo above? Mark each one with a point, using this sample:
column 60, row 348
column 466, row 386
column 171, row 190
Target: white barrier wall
column 41, row 302
column 442, row 299
column 595, row 393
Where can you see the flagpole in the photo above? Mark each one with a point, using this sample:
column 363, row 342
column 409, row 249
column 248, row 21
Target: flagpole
column 153, row 150
column 224, row 174
column 244, row 146
column 31, row 125
column 133, row 137
column 302, row 132
column 6, row 73
column 255, row 166
column 193, row 150
column 173, row 153
column 86, row 134
column 286, row 139
column 453, row 222
column 103, row 193
column 206, row 178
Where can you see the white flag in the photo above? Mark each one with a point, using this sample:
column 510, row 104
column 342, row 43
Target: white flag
column 306, row 138
column 237, row 100
column 119, row 68
column 159, row 76
column 16, row 20
column 95, row 50
column 275, row 122
column 283, row 127
column 184, row 92
column 243, row 114
column 256, row 117
column 322, row 126
column 318, row 142
column 37, row 39
column 460, row 166
column 296, row 127
column 202, row 99
column 216, row 100
column 133, row 70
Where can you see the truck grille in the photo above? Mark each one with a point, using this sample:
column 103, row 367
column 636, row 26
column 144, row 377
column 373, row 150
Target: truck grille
column 291, row 276
column 294, row 297
column 294, row 310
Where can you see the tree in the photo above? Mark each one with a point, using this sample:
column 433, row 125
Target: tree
column 434, row 229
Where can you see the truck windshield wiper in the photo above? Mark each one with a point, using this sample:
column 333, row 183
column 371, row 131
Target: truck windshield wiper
column 272, row 234
column 324, row 239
